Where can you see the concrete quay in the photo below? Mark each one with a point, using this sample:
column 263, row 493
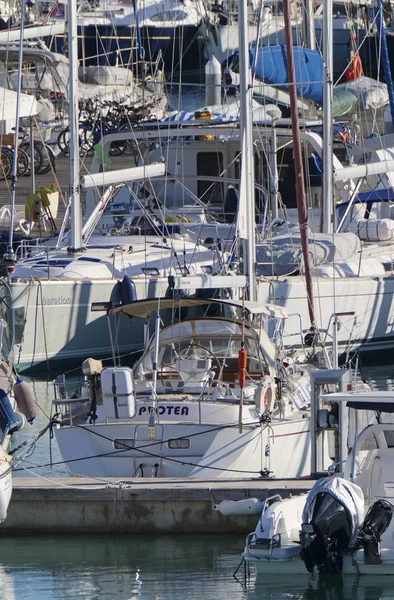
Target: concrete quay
column 82, row 505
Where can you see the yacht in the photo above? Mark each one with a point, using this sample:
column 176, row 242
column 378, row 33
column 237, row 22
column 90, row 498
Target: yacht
column 211, row 397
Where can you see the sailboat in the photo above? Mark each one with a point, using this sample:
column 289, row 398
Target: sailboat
column 62, row 282
column 352, row 266
column 211, row 396
column 17, row 408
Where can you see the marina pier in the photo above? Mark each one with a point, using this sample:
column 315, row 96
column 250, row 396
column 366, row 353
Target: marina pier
column 82, row 505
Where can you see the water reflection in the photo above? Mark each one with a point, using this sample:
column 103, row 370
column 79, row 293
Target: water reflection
column 123, row 567
column 127, row 567
column 308, row 587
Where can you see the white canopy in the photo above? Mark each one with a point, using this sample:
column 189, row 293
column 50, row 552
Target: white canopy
column 361, row 397
column 143, row 308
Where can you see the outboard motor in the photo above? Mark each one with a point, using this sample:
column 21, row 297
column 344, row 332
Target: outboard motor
column 376, row 522
column 330, row 522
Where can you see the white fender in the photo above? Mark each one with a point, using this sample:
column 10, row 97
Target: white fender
column 25, row 399
column 247, row 506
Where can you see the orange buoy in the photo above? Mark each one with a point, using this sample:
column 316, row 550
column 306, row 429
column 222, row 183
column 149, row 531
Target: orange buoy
column 242, row 363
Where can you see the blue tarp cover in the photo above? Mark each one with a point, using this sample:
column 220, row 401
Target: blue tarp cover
column 271, row 67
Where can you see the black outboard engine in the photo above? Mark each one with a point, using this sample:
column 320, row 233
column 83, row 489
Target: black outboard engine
column 376, row 522
column 326, row 536
column 331, row 518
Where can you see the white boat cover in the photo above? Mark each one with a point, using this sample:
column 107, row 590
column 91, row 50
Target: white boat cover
column 282, row 254
column 347, row 493
column 28, row 106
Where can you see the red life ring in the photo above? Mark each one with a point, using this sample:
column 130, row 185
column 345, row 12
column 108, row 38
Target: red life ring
column 355, row 70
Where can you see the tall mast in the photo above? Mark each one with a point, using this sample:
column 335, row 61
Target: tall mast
column 246, row 217
column 385, row 57
column 9, row 255
column 302, row 208
column 328, row 202
column 76, row 237
column 308, row 21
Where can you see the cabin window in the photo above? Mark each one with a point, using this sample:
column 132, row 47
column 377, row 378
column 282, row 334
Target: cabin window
column 369, row 443
column 210, row 164
column 389, row 436
column 124, row 444
column 179, row 444
column 150, row 271
column 169, row 15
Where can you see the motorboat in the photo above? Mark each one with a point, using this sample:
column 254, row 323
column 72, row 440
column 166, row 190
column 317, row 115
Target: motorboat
column 344, row 524
column 120, row 33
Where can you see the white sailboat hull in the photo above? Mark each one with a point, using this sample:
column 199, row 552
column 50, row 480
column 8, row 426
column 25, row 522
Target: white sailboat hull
column 5, row 491
column 368, row 300
column 5, row 482
column 53, row 319
column 214, row 451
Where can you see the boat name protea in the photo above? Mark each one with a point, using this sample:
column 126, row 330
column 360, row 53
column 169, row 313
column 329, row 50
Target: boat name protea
column 58, row 301
column 168, row 409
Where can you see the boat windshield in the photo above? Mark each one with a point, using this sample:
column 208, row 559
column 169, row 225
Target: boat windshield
column 218, row 340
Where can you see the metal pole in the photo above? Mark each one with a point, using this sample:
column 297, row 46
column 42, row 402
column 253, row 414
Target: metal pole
column 155, row 360
column 385, row 57
column 328, row 202
column 273, row 173
column 32, row 171
column 302, row 208
column 247, row 157
column 9, row 255
column 335, row 342
column 76, row 238
column 309, row 24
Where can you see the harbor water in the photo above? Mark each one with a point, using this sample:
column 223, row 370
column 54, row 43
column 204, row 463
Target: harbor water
column 147, row 567
column 157, row 568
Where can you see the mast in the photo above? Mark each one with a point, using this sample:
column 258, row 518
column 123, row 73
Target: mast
column 385, row 57
column 308, row 21
column 9, row 256
column 246, row 217
column 302, row 208
column 76, row 237
column 328, row 204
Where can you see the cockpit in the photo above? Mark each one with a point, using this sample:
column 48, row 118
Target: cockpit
column 216, row 341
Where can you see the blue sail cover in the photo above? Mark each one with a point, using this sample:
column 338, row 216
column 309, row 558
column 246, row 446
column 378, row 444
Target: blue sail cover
column 271, row 67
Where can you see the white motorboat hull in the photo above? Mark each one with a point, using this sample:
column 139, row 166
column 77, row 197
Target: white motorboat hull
column 354, row 564
column 288, row 564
